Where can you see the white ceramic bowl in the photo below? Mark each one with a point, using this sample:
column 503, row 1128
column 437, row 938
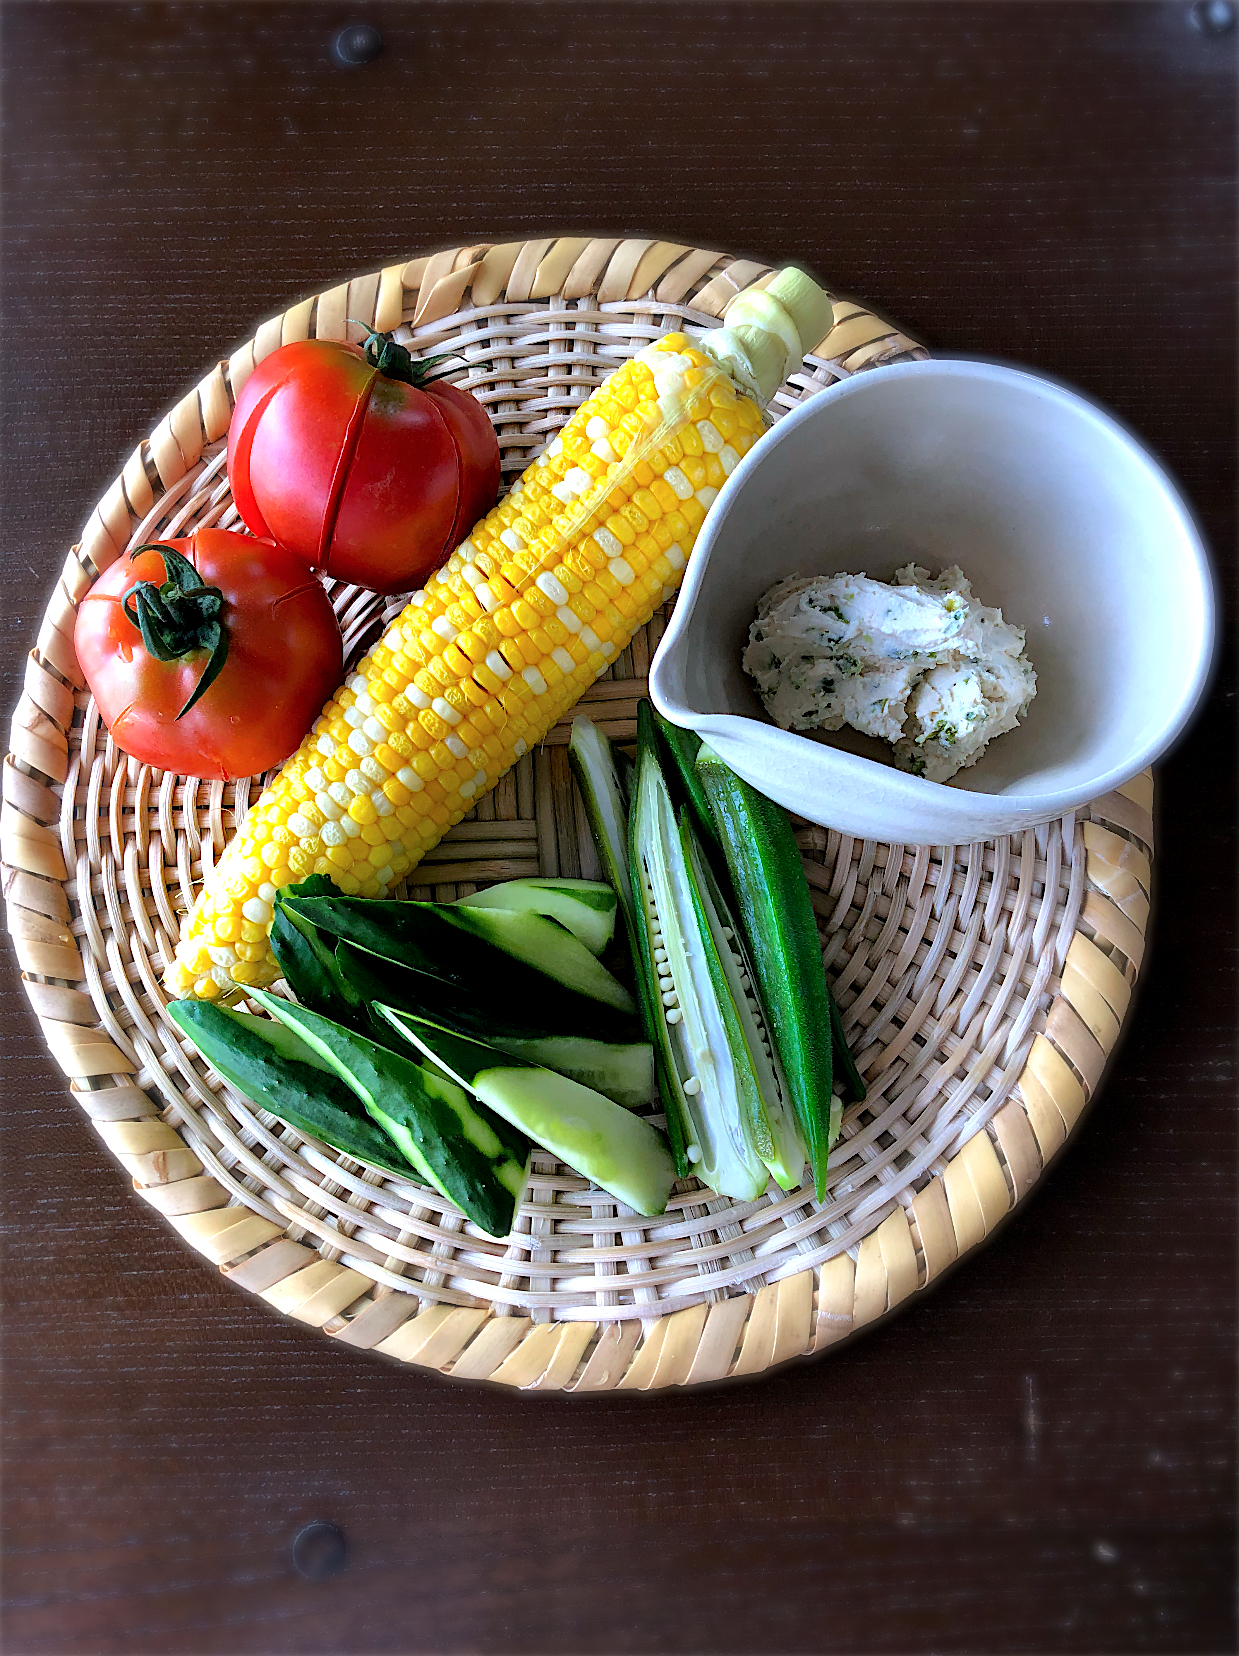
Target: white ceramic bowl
column 1054, row 513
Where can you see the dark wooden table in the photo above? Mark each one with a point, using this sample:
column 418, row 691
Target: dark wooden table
column 1040, row 1456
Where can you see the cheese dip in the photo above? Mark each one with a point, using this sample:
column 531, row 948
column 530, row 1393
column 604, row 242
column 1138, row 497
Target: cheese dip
column 917, row 662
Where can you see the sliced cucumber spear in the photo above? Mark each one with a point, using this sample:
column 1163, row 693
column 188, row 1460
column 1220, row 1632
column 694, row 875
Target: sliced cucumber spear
column 772, row 895
column 511, row 959
column 468, row 1155
column 606, row 806
column 585, row 907
column 623, row 1070
column 270, row 1065
column 609, row 1145
column 308, row 963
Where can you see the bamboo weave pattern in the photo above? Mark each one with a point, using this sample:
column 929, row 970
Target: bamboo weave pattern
column 982, row 986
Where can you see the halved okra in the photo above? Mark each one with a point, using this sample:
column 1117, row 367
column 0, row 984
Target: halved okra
column 772, row 896
column 726, row 1086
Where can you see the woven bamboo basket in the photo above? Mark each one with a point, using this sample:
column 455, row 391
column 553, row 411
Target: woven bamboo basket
column 982, row 986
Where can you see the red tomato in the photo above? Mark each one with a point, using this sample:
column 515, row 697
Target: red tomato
column 342, row 456
column 211, row 656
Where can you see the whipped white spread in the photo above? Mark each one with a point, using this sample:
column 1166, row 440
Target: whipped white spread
column 917, row 662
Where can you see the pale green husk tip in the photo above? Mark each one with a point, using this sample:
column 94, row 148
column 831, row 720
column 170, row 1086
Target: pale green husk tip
column 767, row 331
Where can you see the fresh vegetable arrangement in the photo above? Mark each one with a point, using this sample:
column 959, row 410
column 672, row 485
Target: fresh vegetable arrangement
column 442, row 1041
column 502, row 641
column 727, row 958
column 358, row 462
column 210, row 654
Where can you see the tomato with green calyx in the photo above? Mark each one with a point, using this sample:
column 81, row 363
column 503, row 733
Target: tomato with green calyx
column 358, row 462
column 209, row 655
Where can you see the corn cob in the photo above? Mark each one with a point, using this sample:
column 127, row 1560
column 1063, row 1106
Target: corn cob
column 526, row 613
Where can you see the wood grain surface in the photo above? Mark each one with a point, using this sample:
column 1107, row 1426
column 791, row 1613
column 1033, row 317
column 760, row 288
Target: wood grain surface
column 1039, row 1456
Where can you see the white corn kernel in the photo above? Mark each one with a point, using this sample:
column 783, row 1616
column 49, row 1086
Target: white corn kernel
column 419, row 698
column 328, row 806
column 553, row 589
column 443, row 627
column 353, row 716
column 301, row 826
column 373, row 770
column 374, row 730
column 256, row 910
column 360, row 743
column 446, row 711
column 711, row 437
column 456, row 747
column 350, row 827
column 610, row 544
column 471, row 575
column 408, row 778
column 512, row 540
column 728, row 459
column 676, row 479
column 498, row 665
column 331, row 833
column 314, row 779
column 364, row 703
column 520, row 747
column 382, row 805
column 533, row 678
column 590, row 639
column 340, row 793
column 563, row 660
column 568, row 618
column 326, row 745
column 706, row 498
column 597, row 427
column 675, row 555
column 623, row 571
column 603, row 450
column 485, row 596
column 267, row 891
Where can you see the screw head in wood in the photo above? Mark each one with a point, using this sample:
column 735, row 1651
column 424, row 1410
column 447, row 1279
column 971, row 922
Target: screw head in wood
column 1213, row 17
column 319, row 1550
column 358, row 43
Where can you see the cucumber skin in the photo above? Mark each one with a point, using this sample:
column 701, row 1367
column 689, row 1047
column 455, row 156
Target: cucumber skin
column 417, row 1100
column 304, row 1094
column 418, row 938
column 775, row 909
column 539, row 1045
